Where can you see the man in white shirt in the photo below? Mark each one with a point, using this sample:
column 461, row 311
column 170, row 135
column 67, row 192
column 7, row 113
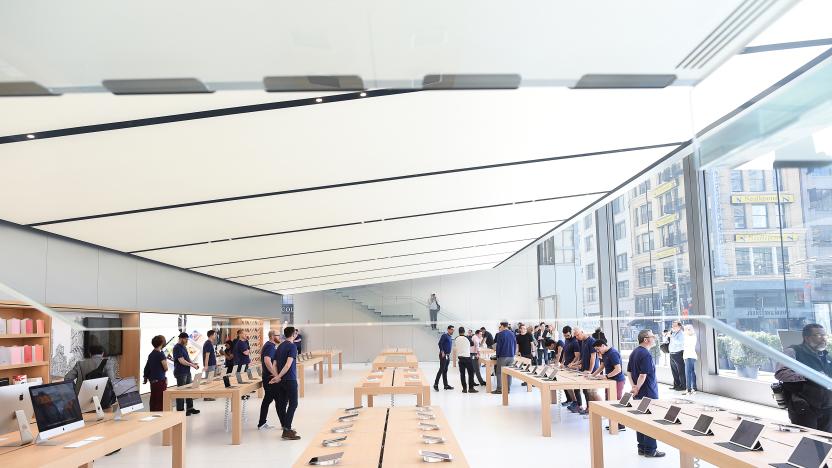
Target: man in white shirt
column 463, row 353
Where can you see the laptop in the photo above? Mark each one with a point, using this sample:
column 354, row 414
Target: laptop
column 643, row 406
column 747, row 436
column 671, row 417
column 624, row 402
column 702, row 426
column 809, row 453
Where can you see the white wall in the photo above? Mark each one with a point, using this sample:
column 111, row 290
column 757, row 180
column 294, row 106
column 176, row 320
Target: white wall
column 480, row 298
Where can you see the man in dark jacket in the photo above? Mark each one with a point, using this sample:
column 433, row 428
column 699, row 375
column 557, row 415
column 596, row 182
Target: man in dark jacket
column 808, row 403
column 445, row 343
column 489, row 338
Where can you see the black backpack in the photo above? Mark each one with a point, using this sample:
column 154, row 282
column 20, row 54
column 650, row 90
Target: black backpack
column 109, row 396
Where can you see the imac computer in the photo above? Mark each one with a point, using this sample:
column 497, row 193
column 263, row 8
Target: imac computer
column 56, row 409
column 129, row 401
column 16, row 412
column 91, row 394
column 197, row 380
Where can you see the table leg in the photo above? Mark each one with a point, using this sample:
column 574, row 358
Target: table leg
column 301, row 381
column 86, row 465
column 528, row 387
column 177, row 452
column 321, row 374
column 166, row 407
column 613, row 424
column 329, row 361
column 356, row 398
column 419, row 398
column 426, row 395
column 504, row 384
column 369, row 401
column 236, row 419
column 546, row 411
column 685, row 460
column 340, row 361
column 488, row 383
column 596, row 440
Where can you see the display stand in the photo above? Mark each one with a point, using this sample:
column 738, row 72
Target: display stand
column 24, row 429
column 99, row 412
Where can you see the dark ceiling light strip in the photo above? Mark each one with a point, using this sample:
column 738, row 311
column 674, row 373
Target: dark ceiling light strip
column 786, row 46
column 754, row 100
column 384, row 276
column 472, row 81
column 24, row 89
column 381, row 269
column 166, row 119
column 357, row 183
column 357, row 223
column 313, row 83
column 631, row 179
column 376, row 258
column 156, row 86
column 375, row 243
column 624, row 81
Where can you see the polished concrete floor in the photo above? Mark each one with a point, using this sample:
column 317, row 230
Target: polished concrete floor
column 492, row 435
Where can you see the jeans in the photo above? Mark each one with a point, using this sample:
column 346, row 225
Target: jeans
column 475, row 362
column 541, row 356
column 502, row 361
column 287, row 402
column 646, row 444
column 690, row 373
column 677, row 368
column 269, row 395
column 443, row 370
column 466, row 366
column 157, row 390
column 181, row 381
column 434, row 315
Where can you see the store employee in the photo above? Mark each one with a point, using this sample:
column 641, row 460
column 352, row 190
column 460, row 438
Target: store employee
column 182, row 366
column 242, row 350
column 642, row 371
column 209, row 354
column 286, row 382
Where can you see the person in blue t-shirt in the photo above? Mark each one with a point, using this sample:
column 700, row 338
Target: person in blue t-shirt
column 506, row 346
column 611, row 368
column 154, row 373
column 209, row 353
column 444, row 359
column 182, row 365
column 642, row 371
column 571, row 347
column 286, row 382
column 586, row 361
column 242, row 350
column 269, row 390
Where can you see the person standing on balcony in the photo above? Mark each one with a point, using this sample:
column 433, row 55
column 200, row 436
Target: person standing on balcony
column 677, row 360
column 433, row 308
column 445, row 344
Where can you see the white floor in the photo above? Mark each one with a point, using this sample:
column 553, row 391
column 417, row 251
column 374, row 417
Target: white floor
column 493, row 435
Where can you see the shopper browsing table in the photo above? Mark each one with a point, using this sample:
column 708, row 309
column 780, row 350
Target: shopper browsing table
column 182, row 366
column 269, row 371
column 242, row 350
column 611, row 368
column 476, row 344
column 642, row 371
column 154, row 373
column 445, row 344
column 525, row 343
column 506, row 347
column 286, row 381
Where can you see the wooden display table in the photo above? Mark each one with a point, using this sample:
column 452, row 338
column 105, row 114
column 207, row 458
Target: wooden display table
column 777, row 445
column 393, row 351
column 116, row 435
column 566, row 381
column 215, row 389
column 395, row 360
column 393, row 381
column 484, row 353
column 329, row 355
column 402, row 439
column 315, row 362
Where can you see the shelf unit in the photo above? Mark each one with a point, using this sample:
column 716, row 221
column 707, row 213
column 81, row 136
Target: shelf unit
column 31, row 369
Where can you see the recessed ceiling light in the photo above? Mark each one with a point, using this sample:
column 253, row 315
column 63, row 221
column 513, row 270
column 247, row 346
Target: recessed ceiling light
column 319, row 100
column 363, row 94
column 30, row 136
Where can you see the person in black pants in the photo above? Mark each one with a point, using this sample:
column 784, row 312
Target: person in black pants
column 267, row 353
column 809, row 404
column 525, row 343
column 182, row 365
column 444, row 359
column 286, row 382
column 463, row 354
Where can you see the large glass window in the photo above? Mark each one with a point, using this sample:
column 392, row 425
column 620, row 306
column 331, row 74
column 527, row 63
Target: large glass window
column 619, row 230
column 759, row 216
column 739, row 216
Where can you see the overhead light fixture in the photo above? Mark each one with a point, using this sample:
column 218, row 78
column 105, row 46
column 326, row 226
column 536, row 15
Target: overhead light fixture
column 156, row 86
column 24, row 88
column 363, row 94
column 319, row 100
column 472, row 81
column 274, row 84
column 30, row 136
column 624, row 81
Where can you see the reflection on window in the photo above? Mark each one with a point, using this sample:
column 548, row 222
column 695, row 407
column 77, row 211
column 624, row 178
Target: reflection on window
column 621, row 262
column 623, row 289
column 619, row 230
column 646, row 276
column 759, row 216
column 756, row 181
column 736, row 181
column 739, row 216
column 590, row 271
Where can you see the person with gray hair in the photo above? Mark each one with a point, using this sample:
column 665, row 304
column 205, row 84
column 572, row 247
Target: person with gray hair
column 506, row 347
column 642, row 371
column 269, row 370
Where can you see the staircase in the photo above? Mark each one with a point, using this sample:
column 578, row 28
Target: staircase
column 400, row 309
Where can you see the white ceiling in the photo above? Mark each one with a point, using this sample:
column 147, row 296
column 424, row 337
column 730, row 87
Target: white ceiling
column 338, row 193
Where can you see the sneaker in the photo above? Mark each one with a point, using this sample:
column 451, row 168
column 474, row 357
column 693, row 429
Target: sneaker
column 566, row 403
column 692, row 392
column 448, row 387
column 655, row 454
column 436, row 387
column 192, row 411
column 265, row 427
column 290, row 435
column 622, row 427
column 583, row 412
column 464, row 391
column 524, row 384
column 473, row 391
column 574, row 409
column 497, row 392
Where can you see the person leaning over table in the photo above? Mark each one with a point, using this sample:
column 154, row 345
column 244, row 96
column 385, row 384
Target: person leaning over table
column 571, row 354
column 611, row 368
column 182, row 371
column 285, row 359
column 642, row 371
column 488, row 337
column 525, row 344
column 463, row 354
column 506, row 347
column 589, row 362
column 154, row 372
column 808, row 403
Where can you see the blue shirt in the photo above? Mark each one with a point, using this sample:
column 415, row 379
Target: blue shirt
column 282, row 354
column 299, row 343
column 641, row 362
column 154, row 370
column 506, row 344
column 208, row 347
column 180, row 351
column 240, row 358
column 267, row 351
column 612, row 358
column 589, row 360
column 571, row 347
column 677, row 341
column 445, row 344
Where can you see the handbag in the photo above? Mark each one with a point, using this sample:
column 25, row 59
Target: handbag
column 665, row 347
